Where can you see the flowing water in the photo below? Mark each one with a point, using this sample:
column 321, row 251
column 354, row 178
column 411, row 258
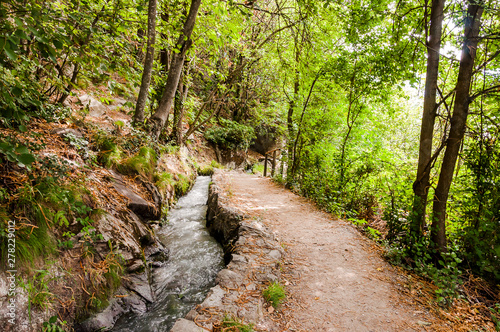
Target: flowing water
column 195, row 259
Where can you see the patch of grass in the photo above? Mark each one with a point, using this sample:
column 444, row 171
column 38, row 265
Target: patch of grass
column 182, row 185
column 258, row 169
column 110, row 154
column 143, row 163
column 274, row 294
column 164, row 181
column 234, row 324
column 38, row 290
column 215, row 164
column 206, row 170
column 169, row 149
column 43, row 212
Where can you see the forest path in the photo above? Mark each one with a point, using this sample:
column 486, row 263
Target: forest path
column 335, row 278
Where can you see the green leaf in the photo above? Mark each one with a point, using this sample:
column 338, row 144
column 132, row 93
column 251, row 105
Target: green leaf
column 21, row 34
column 16, row 91
column 22, row 128
column 53, row 319
column 58, row 44
column 10, row 53
column 26, row 159
column 22, row 150
column 51, row 53
column 18, row 22
column 2, row 43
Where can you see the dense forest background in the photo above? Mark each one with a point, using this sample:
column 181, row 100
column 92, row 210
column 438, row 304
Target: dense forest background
column 386, row 112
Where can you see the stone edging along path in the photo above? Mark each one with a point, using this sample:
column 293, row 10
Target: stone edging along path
column 253, row 254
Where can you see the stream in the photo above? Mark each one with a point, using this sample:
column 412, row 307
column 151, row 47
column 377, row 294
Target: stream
column 195, row 259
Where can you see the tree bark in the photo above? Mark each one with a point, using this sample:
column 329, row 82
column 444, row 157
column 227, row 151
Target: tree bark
column 421, row 184
column 458, row 124
column 180, row 97
column 157, row 121
column 148, row 64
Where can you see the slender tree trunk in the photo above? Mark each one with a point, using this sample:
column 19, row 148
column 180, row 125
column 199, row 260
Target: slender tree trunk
column 458, row 124
column 157, row 121
column 148, row 64
column 421, row 184
column 352, row 116
column 289, row 120
column 178, row 110
column 295, row 164
column 164, row 53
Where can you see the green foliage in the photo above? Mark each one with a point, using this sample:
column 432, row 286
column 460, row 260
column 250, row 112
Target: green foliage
column 205, row 170
column 215, row 164
column 110, row 154
column 258, row 169
column 231, row 322
column 164, row 181
column 52, row 325
column 67, row 243
column 478, row 221
column 446, row 276
column 495, row 315
column 182, row 185
column 143, row 163
column 49, row 206
column 15, row 152
column 38, row 290
column 232, row 135
column 274, row 294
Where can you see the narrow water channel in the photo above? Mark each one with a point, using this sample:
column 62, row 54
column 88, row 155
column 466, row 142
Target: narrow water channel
column 195, row 259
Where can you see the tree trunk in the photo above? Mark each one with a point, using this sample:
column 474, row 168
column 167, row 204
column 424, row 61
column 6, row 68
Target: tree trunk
column 421, row 184
column 148, row 64
column 180, row 97
column 289, row 121
column 458, row 124
column 157, row 121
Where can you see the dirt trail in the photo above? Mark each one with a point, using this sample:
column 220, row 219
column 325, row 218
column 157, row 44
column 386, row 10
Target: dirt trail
column 334, row 277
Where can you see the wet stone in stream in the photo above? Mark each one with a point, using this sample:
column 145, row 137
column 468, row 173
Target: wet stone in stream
column 195, row 258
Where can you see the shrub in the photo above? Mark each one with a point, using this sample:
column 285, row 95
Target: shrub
column 232, row 135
